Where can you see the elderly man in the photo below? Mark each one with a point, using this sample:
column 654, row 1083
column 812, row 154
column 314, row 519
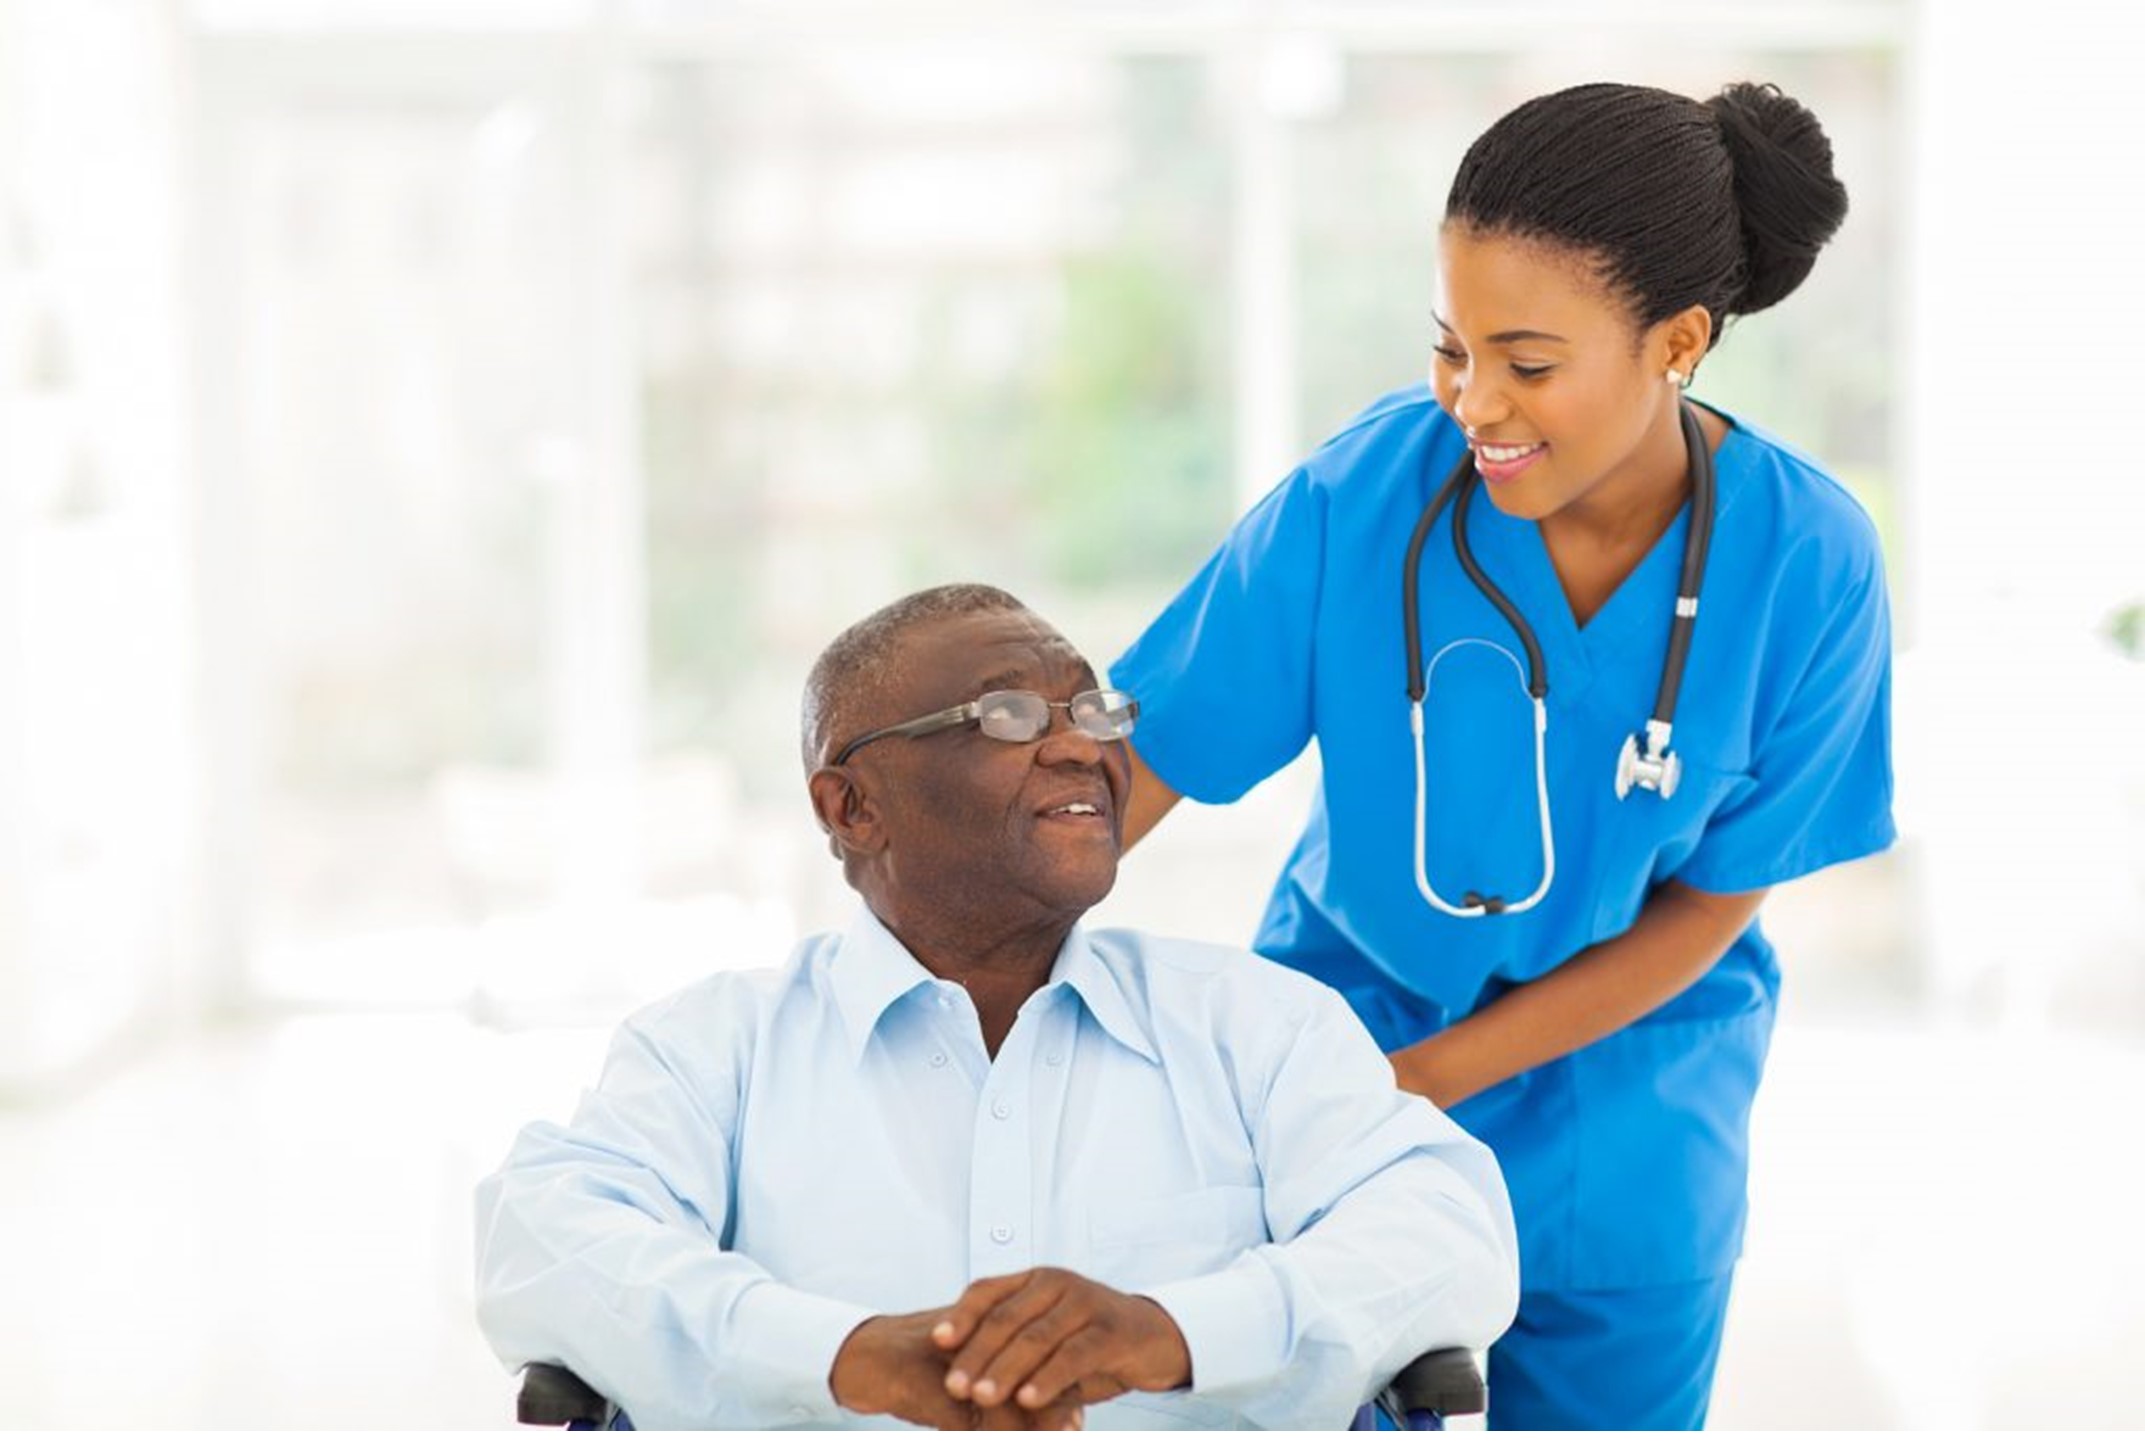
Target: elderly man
column 965, row 1163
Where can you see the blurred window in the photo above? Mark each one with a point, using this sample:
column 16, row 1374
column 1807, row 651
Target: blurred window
column 1816, row 370
column 391, row 419
column 909, row 318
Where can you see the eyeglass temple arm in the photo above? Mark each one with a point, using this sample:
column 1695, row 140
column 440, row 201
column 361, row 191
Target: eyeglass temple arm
column 937, row 721
column 920, row 726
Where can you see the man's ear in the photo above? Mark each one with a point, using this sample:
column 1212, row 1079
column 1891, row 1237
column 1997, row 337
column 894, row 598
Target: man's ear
column 847, row 812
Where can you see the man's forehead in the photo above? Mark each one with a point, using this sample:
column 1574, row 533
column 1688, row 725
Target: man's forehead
column 991, row 646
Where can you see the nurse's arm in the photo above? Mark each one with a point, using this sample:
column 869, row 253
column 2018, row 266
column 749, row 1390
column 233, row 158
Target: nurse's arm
column 1680, row 933
column 1150, row 801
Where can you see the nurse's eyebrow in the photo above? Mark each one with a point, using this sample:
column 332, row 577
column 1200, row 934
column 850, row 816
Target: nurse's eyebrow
column 1505, row 338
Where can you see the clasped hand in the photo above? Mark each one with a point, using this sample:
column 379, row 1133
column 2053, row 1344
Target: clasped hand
column 1023, row 1351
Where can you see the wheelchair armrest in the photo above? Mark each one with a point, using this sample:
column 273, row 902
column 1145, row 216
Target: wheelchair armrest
column 552, row 1397
column 1446, row 1382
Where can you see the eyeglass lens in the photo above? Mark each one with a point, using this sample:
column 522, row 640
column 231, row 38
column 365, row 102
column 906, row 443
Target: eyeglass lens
column 1022, row 716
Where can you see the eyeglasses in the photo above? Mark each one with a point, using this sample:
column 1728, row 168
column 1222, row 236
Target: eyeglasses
column 1017, row 716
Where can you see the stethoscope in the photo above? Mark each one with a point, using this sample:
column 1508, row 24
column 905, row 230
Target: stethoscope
column 1646, row 762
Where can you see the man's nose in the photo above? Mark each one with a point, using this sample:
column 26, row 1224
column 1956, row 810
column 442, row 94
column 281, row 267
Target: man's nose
column 1065, row 743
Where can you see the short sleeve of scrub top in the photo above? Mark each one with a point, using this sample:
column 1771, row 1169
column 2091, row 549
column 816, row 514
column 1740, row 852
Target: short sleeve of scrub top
column 1237, row 672
column 1820, row 777
column 1626, row 1159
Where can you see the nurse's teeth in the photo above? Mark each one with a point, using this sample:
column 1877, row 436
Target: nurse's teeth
column 1505, row 453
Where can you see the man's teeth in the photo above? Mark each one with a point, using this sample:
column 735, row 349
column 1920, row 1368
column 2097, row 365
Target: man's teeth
column 1502, row 454
column 1080, row 809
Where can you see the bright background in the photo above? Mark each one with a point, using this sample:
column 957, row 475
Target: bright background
column 435, row 439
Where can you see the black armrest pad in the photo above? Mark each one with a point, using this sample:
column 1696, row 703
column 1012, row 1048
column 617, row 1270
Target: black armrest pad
column 552, row 1397
column 1446, row 1382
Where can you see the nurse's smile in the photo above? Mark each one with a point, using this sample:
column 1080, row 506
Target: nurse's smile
column 1503, row 463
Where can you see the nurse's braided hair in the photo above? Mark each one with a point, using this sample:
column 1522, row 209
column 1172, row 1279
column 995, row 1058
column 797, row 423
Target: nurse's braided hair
column 1723, row 203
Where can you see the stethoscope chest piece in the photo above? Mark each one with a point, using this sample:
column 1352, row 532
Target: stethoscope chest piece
column 1656, row 769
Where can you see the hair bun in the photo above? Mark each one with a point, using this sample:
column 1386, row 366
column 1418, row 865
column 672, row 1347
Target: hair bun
column 1790, row 200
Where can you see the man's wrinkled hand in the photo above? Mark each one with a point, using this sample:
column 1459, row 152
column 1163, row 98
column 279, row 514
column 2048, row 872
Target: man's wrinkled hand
column 891, row 1364
column 1037, row 1338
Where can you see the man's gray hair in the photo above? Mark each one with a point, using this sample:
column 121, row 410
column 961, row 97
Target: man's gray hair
column 860, row 664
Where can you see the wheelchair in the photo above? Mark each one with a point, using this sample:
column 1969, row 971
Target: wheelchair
column 1436, row 1386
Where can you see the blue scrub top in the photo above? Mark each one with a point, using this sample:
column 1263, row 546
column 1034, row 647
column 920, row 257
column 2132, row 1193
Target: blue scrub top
column 1626, row 1160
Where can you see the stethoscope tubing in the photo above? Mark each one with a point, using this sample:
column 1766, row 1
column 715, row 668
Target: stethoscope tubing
column 1696, row 551
column 1457, row 491
column 1471, row 906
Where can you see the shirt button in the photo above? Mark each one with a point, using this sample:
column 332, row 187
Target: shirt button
column 1001, row 1234
column 938, row 1059
column 945, row 1003
column 1055, row 1058
column 1001, row 1109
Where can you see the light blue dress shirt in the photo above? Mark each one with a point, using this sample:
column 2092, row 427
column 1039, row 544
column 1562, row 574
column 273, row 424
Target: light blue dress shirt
column 772, row 1157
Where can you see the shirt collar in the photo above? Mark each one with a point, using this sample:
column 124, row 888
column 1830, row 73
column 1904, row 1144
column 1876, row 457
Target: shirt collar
column 1083, row 967
column 873, row 971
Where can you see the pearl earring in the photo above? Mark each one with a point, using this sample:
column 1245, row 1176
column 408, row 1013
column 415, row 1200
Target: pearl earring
column 1677, row 379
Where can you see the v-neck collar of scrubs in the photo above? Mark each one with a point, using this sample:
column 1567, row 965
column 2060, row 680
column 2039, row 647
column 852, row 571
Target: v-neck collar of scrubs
column 1635, row 604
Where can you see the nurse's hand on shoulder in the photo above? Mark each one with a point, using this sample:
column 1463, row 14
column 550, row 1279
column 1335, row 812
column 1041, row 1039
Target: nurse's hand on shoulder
column 891, row 1364
column 1047, row 1335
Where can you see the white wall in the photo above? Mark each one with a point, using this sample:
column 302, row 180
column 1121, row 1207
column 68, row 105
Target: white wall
column 2022, row 734
column 95, row 774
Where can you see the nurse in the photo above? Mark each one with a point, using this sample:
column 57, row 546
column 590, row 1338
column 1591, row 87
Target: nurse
column 1554, row 932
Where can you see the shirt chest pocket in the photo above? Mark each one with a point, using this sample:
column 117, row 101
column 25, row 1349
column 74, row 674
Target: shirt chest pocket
column 1143, row 1242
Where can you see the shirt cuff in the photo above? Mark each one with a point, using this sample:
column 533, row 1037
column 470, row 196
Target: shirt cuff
column 785, row 1340
column 1234, row 1322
